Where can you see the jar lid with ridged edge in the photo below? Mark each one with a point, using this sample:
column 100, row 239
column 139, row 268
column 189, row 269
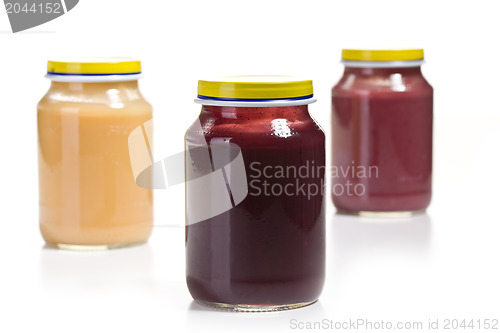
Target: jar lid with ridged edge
column 383, row 58
column 94, row 69
column 255, row 90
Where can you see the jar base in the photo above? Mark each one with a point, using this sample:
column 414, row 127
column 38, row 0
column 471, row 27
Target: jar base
column 253, row 308
column 74, row 247
column 373, row 214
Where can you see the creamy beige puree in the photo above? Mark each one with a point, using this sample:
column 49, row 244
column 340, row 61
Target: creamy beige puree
column 88, row 194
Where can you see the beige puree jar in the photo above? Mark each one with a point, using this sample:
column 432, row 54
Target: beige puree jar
column 88, row 193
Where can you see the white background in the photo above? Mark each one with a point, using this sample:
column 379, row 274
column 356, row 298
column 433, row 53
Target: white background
column 441, row 265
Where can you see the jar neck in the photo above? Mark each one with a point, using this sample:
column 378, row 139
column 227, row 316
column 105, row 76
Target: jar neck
column 92, row 87
column 261, row 113
column 107, row 93
column 376, row 71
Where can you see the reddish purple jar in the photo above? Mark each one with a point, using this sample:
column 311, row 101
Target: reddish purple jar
column 382, row 114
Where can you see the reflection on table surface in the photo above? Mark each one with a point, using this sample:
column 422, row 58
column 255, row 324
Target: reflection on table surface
column 355, row 235
column 378, row 264
column 98, row 269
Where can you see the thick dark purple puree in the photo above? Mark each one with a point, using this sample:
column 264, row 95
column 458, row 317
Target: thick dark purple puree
column 269, row 249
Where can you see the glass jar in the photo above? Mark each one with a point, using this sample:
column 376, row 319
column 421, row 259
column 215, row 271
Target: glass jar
column 88, row 195
column 255, row 165
column 382, row 134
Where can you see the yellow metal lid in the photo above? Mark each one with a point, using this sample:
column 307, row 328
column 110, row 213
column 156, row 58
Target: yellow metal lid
column 94, row 66
column 255, row 88
column 382, row 55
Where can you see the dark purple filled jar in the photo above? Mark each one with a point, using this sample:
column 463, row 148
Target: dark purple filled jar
column 255, row 209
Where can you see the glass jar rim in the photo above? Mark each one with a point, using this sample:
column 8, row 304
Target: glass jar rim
column 382, row 64
column 260, row 103
column 93, row 78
